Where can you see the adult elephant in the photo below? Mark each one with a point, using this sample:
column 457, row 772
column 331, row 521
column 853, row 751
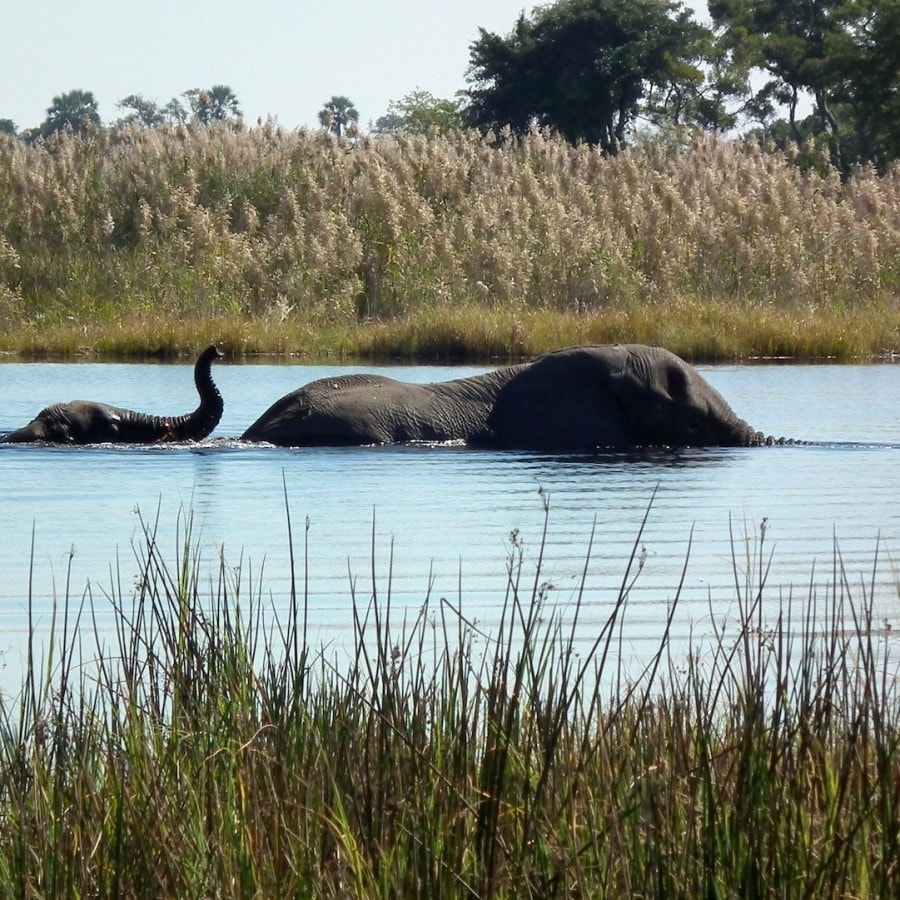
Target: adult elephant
column 581, row 398
column 88, row 422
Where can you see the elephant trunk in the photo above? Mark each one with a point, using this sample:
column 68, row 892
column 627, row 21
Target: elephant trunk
column 88, row 422
column 198, row 424
column 144, row 428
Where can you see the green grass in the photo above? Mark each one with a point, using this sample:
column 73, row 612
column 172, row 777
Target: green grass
column 696, row 331
column 203, row 748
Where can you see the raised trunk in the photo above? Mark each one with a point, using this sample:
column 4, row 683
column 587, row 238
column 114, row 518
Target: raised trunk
column 142, row 428
column 197, row 425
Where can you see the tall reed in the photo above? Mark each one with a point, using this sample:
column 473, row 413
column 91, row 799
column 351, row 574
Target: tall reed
column 201, row 747
column 270, row 232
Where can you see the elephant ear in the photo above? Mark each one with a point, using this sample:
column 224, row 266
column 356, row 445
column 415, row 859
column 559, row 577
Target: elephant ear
column 564, row 401
column 677, row 383
column 291, row 408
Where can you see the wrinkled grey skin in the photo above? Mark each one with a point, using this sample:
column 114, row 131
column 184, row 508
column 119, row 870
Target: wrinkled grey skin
column 372, row 409
column 87, row 422
column 579, row 399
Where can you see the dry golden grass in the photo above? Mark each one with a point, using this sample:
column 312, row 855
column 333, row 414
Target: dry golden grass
column 290, row 242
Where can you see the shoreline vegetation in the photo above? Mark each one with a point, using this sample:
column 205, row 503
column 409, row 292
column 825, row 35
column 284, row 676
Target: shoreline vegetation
column 131, row 243
column 203, row 748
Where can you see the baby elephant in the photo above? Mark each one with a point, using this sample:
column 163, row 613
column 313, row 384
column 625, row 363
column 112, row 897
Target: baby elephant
column 88, row 422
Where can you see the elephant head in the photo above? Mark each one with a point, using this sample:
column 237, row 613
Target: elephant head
column 618, row 397
column 89, row 422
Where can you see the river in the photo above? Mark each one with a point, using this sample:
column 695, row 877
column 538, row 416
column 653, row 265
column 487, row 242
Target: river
column 443, row 522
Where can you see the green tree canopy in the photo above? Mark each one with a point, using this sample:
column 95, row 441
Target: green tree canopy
column 419, row 112
column 867, row 71
column 175, row 111
column 583, row 66
column 708, row 100
column 215, row 104
column 7, row 126
column 843, row 54
column 74, row 111
column 339, row 114
column 140, row 111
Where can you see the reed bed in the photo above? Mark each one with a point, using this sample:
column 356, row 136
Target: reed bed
column 203, row 748
column 131, row 241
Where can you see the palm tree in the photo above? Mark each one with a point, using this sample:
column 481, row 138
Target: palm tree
column 75, row 110
column 337, row 114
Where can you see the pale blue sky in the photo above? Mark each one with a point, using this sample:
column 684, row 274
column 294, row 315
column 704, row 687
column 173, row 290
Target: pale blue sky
column 281, row 59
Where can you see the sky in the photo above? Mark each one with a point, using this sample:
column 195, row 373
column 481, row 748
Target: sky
column 281, row 59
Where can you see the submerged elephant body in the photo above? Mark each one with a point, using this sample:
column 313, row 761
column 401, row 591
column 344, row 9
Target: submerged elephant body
column 89, row 422
column 373, row 409
column 579, row 399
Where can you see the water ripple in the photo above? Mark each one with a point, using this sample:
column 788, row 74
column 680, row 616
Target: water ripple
column 447, row 522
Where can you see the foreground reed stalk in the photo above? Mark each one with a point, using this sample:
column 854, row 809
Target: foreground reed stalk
column 202, row 748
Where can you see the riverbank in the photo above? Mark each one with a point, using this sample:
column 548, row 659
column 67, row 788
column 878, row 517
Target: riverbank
column 699, row 332
column 207, row 749
column 154, row 243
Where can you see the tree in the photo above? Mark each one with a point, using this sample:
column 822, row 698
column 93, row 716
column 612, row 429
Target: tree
column 75, row 111
column 7, row 126
column 175, row 111
column 866, row 64
column 144, row 112
column 338, row 114
column 708, row 100
column 419, row 112
column 216, row 104
column 845, row 54
column 583, row 66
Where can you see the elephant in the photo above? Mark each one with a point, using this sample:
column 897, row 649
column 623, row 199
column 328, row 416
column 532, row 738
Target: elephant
column 88, row 422
column 571, row 400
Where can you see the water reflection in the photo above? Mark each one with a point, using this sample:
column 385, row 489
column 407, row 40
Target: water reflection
column 631, row 459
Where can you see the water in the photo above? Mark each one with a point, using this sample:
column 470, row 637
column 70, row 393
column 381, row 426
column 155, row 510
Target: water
column 441, row 522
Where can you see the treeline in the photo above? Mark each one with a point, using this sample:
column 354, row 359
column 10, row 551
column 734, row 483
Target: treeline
column 603, row 72
column 76, row 112
column 592, row 69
